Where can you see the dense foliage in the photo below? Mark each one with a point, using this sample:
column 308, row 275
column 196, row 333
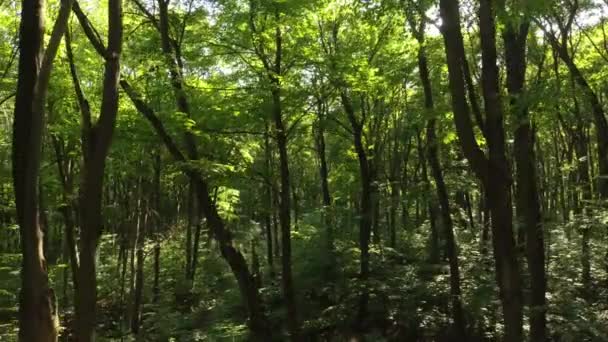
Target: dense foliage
column 289, row 170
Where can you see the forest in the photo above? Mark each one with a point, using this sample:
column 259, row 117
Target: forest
column 303, row 170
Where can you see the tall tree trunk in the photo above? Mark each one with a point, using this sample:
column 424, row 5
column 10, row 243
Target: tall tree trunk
column 190, row 222
column 376, row 217
column 196, row 246
column 469, row 209
column 257, row 318
column 157, row 222
column 498, row 187
column 442, row 193
column 365, row 205
column 96, row 140
column 328, row 213
column 584, row 184
column 268, row 202
column 273, row 66
column 431, row 205
column 37, row 307
column 527, row 197
column 139, row 268
column 285, row 213
column 37, row 319
column 64, row 166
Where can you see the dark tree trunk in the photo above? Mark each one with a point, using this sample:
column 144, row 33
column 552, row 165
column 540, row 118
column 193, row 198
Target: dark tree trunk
column 431, row 206
column 442, row 192
column 64, row 166
column 328, row 213
column 37, row 307
column 273, row 66
column 37, row 316
column 269, row 207
column 190, row 222
column 157, row 220
column 195, row 247
column 43, row 222
column 583, row 183
column 499, row 188
column 285, row 214
column 376, row 218
column 469, row 209
column 395, row 185
column 485, row 225
column 493, row 171
column 296, row 206
column 527, row 197
column 96, row 140
column 235, row 259
column 365, row 206
column 275, row 222
column 139, row 269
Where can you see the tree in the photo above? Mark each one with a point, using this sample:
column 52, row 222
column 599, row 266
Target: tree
column 527, row 202
column 96, row 140
column 418, row 30
column 492, row 170
column 38, row 309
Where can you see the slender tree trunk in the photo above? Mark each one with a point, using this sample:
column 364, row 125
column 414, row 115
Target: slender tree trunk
column 257, row 318
column 376, row 218
column 498, row 187
column 431, row 206
column 195, row 247
column 96, row 140
column 269, row 207
column 365, row 206
column 527, row 197
column 64, row 166
column 37, row 307
column 284, row 217
column 37, row 316
column 328, row 213
column 157, row 221
column 442, row 193
column 274, row 71
column 190, row 221
column 584, row 184
column 139, row 269
column 485, row 225
column 469, row 209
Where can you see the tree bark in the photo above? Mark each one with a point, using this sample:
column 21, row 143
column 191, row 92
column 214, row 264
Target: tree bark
column 496, row 165
column 96, row 140
column 37, row 308
column 37, row 319
column 432, row 155
column 157, row 222
column 527, row 197
column 285, row 208
column 269, row 207
column 327, row 212
column 190, row 221
column 235, row 259
column 139, row 261
column 274, row 70
column 365, row 204
column 64, row 166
